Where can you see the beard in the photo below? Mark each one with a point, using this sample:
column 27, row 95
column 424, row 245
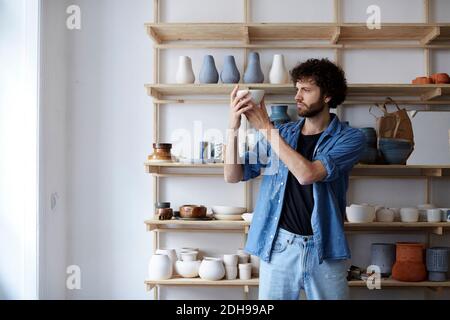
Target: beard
column 311, row 110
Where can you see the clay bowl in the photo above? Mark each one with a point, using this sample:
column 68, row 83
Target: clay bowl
column 440, row 78
column 423, row 80
column 192, row 211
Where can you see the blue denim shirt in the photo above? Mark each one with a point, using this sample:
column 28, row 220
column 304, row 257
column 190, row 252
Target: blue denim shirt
column 339, row 149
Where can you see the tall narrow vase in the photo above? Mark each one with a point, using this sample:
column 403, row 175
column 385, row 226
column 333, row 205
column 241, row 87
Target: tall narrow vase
column 208, row 73
column 185, row 74
column 253, row 74
column 278, row 72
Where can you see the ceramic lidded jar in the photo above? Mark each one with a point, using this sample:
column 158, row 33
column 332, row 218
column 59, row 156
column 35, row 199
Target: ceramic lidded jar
column 211, row 269
column 437, row 263
column 253, row 73
column 185, row 74
column 208, row 72
column 161, row 152
column 230, row 72
column 278, row 73
column 409, row 265
column 383, row 256
column 279, row 115
column 160, row 267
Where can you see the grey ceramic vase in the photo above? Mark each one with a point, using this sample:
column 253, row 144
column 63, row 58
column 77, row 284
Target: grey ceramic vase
column 208, row 72
column 230, row 73
column 383, row 256
column 253, row 74
column 437, row 263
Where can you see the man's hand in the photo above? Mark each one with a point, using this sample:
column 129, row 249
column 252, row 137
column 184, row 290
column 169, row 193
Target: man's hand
column 238, row 105
column 258, row 117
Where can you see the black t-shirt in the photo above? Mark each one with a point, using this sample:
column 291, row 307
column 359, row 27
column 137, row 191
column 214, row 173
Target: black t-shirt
column 298, row 200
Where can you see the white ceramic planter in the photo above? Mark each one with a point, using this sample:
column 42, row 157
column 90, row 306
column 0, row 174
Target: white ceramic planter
column 434, row 215
column 385, row 215
column 409, row 214
column 231, row 272
column 230, row 259
column 160, row 267
column 211, row 269
column 185, row 74
column 188, row 269
column 278, row 73
column 171, row 253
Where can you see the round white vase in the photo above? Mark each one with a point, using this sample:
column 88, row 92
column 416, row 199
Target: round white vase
column 211, row 269
column 185, row 74
column 160, row 267
column 278, row 72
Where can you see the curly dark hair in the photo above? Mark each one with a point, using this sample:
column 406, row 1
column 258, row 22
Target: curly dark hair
column 329, row 77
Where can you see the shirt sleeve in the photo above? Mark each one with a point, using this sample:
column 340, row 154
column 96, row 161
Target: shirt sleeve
column 343, row 155
column 253, row 161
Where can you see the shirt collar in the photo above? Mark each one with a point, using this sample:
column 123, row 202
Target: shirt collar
column 333, row 128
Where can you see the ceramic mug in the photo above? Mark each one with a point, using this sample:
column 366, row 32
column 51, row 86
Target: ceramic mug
column 434, row 215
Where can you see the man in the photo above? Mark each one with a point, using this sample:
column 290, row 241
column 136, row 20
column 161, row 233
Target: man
column 298, row 224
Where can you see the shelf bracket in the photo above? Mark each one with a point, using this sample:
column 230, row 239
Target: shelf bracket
column 150, row 286
column 246, row 38
column 151, row 227
column 335, row 36
column 438, row 290
column 151, row 32
column 432, row 172
column 434, row 33
column 431, row 94
column 438, row 231
column 246, row 228
column 246, row 289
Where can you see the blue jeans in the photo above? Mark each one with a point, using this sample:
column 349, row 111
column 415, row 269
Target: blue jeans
column 294, row 265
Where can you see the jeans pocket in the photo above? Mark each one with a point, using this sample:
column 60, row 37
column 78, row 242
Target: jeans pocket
column 280, row 245
column 335, row 269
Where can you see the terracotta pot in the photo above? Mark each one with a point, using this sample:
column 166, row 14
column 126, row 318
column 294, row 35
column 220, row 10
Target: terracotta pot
column 423, row 80
column 192, row 211
column 161, row 151
column 409, row 265
column 440, row 78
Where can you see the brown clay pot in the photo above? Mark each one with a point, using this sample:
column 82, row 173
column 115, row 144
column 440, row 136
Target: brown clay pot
column 440, row 78
column 161, row 151
column 409, row 265
column 192, row 211
column 423, row 80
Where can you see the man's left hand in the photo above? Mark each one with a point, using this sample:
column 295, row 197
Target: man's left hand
column 258, row 117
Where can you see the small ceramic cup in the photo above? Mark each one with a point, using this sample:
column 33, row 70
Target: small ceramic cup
column 434, row 215
column 231, row 272
column 243, row 257
column 245, row 271
column 230, row 259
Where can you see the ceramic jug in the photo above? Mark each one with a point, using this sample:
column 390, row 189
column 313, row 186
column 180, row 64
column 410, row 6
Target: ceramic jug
column 160, row 267
column 208, row 72
column 230, row 73
column 253, row 73
column 185, row 74
column 278, row 72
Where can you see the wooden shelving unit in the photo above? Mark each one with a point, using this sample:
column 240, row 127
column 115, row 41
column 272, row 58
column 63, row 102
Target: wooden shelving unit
column 433, row 94
column 337, row 36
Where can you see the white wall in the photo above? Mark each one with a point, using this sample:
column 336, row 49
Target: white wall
column 18, row 145
column 108, row 135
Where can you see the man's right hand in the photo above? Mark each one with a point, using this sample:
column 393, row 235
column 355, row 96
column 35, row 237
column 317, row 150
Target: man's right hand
column 238, row 105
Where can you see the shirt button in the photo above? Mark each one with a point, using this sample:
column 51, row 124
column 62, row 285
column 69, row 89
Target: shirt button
column 279, row 200
column 271, row 236
column 282, row 183
column 275, row 218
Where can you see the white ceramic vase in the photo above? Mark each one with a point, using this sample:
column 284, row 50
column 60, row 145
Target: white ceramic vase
column 211, row 269
column 185, row 74
column 160, row 267
column 169, row 252
column 278, row 72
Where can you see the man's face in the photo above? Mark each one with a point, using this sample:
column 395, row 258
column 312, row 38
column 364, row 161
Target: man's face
column 310, row 101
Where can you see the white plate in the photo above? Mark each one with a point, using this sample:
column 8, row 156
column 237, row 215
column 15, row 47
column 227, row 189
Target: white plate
column 233, row 217
column 225, row 210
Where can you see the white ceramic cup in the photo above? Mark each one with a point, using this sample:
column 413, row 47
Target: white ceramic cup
column 409, row 214
column 243, row 258
column 231, row 272
column 230, row 259
column 188, row 255
column 256, row 95
column 434, row 215
column 245, row 271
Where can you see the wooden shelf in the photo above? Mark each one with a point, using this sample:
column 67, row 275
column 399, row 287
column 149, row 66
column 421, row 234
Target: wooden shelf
column 177, row 281
column 243, row 226
column 424, row 34
column 357, row 93
column 359, row 171
column 385, row 283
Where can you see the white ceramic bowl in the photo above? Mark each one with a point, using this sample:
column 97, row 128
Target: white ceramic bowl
column 187, row 269
column 230, row 217
column 409, row 214
column 256, row 95
column 360, row 213
column 247, row 217
column 189, row 255
column 385, row 215
column 228, row 210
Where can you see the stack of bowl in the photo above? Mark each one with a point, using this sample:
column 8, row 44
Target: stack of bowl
column 395, row 151
column 370, row 153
